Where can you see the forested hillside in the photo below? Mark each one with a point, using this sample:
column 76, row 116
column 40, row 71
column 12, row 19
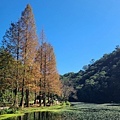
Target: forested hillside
column 99, row 82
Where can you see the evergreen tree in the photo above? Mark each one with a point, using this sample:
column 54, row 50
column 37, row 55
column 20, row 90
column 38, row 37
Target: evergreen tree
column 12, row 43
column 6, row 71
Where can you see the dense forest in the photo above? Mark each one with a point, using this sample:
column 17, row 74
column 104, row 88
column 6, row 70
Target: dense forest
column 27, row 65
column 98, row 82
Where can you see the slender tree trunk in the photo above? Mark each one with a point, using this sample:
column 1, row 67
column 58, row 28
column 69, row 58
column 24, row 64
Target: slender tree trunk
column 16, row 90
column 22, row 94
column 40, row 98
column 44, row 99
column 35, row 97
column 22, row 99
column 16, row 98
column 27, row 98
column 52, row 100
column 49, row 97
column 44, row 94
column 40, row 94
column 35, row 94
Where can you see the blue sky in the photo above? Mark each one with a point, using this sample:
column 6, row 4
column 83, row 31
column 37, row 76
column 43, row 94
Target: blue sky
column 79, row 30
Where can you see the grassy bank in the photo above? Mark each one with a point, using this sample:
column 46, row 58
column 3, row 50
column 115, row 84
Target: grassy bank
column 77, row 111
column 20, row 112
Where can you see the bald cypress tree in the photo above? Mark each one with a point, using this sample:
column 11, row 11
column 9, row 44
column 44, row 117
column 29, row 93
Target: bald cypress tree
column 29, row 46
column 40, row 59
column 21, row 42
column 49, row 78
column 53, row 82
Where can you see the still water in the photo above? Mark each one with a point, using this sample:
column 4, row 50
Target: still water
column 38, row 116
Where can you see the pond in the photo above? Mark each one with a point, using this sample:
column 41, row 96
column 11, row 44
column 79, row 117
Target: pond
column 38, row 116
column 78, row 111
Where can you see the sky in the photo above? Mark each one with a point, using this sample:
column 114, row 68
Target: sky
column 79, row 30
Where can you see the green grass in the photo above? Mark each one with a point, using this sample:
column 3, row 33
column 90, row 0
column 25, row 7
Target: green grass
column 78, row 111
column 55, row 109
column 5, row 116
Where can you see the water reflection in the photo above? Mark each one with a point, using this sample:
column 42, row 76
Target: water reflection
column 38, row 116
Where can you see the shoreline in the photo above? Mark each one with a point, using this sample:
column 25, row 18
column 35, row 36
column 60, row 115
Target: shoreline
column 21, row 112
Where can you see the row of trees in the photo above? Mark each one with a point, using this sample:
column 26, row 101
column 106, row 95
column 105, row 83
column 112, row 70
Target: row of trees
column 28, row 64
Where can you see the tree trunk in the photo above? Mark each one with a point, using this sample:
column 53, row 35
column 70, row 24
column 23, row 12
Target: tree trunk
column 27, row 98
column 40, row 94
column 22, row 99
column 40, row 98
column 16, row 97
column 22, row 94
column 35, row 97
column 44, row 99
column 52, row 100
column 48, row 97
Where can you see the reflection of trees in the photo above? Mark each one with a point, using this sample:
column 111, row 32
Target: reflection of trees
column 26, row 116
column 40, row 116
column 19, row 118
column 44, row 116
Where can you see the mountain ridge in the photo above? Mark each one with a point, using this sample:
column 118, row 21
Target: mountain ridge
column 99, row 82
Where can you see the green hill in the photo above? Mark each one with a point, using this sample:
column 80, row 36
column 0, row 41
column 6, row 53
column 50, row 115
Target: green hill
column 98, row 83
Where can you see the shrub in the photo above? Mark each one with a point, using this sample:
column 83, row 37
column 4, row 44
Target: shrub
column 12, row 110
column 8, row 111
column 68, row 103
column 3, row 111
column 65, row 103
